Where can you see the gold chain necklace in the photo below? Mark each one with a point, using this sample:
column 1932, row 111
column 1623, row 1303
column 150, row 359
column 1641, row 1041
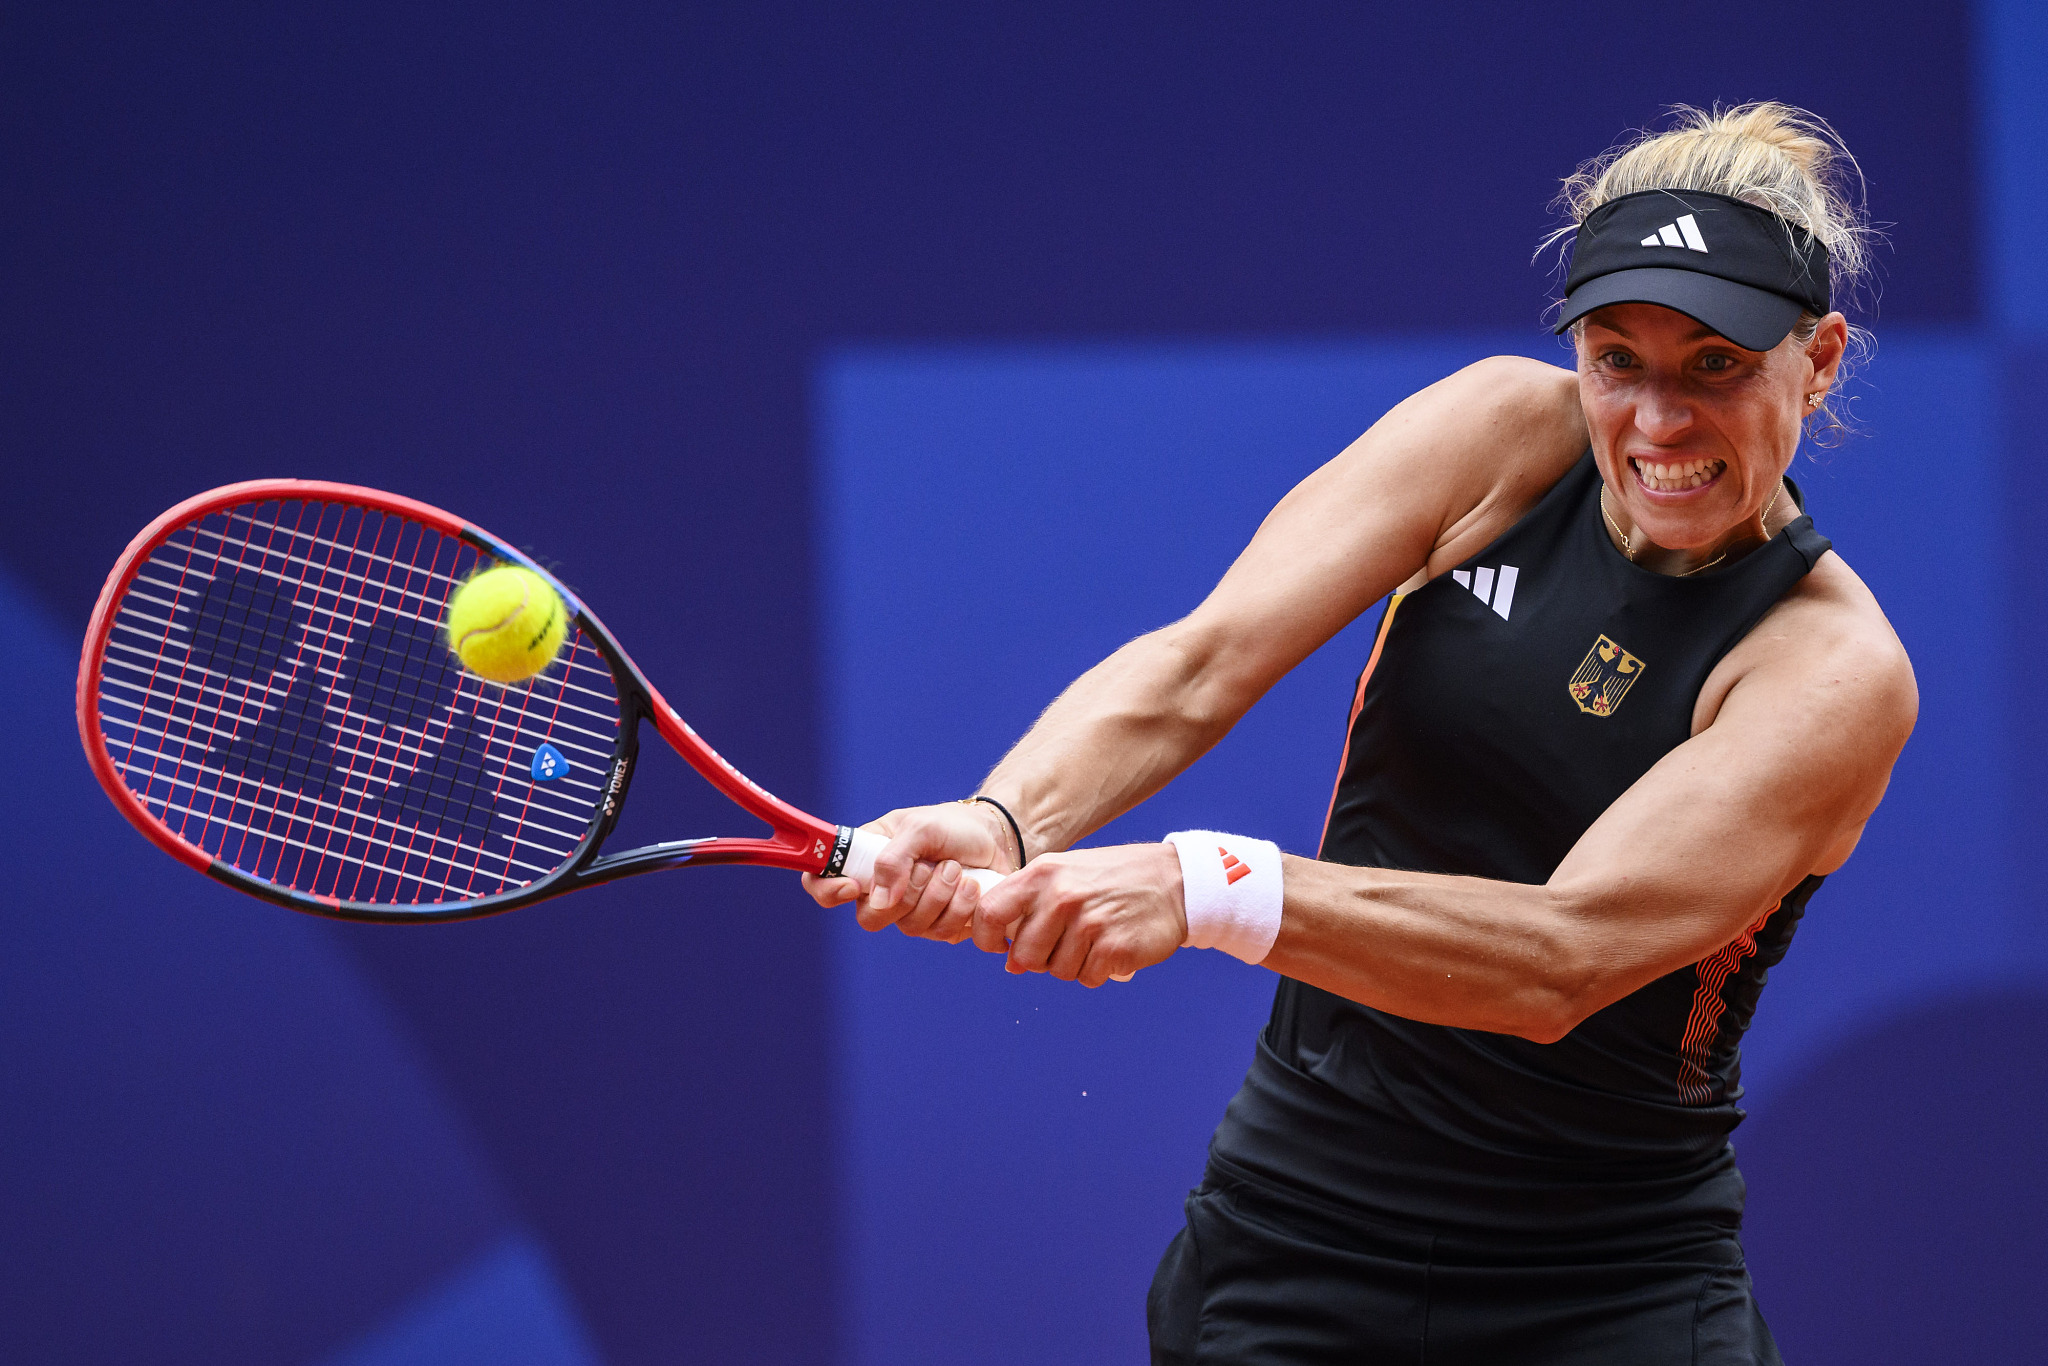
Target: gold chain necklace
column 1627, row 547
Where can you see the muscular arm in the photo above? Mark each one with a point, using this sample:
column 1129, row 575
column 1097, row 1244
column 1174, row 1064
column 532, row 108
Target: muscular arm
column 1434, row 480
column 1700, row 849
column 1807, row 717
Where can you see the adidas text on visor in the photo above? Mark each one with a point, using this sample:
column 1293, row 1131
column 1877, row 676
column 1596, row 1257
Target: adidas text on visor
column 1739, row 269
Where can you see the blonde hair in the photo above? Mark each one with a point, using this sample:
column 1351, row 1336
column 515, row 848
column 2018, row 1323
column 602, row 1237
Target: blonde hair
column 1776, row 156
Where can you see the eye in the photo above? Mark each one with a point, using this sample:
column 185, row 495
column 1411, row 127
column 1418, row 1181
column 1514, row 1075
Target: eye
column 1716, row 363
column 1619, row 360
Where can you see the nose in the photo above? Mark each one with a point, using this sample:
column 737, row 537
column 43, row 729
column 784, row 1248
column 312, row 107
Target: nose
column 1662, row 414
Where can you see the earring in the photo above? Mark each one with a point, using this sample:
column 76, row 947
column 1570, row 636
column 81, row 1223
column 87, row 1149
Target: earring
column 1813, row 400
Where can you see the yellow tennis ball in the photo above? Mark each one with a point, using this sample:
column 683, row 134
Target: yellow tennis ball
column 506, row 624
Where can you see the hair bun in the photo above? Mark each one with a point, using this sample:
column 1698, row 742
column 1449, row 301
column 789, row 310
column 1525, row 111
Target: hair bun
column 1776, row 156
column 1799, row 135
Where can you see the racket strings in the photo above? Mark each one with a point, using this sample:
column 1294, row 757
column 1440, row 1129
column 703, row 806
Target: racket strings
column 276, row 690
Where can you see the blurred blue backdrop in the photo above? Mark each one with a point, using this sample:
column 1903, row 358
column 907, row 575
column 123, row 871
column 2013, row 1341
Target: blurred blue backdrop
column 838, row 355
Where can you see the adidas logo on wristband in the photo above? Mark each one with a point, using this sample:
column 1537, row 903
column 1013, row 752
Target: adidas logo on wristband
column 1233, row 867
column 1231, row 887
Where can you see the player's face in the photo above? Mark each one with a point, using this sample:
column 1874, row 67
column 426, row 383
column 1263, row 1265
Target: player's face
column 1692, row 432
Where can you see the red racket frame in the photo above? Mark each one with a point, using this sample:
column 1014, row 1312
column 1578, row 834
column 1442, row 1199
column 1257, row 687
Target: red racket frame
column 801, row 841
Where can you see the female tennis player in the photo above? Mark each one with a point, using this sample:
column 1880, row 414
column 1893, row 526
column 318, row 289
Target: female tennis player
column 1625, row 710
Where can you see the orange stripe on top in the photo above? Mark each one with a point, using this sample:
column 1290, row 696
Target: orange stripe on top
column 1357, row 705
column 1703, row 1025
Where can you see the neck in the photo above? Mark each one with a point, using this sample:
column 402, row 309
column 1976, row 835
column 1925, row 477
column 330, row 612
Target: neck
column 1739, row 540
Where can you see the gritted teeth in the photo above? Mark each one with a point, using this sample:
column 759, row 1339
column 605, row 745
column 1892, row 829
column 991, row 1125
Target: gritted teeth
column 1676, row 476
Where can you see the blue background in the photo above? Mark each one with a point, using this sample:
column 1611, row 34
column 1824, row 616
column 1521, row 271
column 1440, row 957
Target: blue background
column 873, row 371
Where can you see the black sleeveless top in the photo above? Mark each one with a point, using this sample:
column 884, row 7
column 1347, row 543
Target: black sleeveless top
column 1505, row 706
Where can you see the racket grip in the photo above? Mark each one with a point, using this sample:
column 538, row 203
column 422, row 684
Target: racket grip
column 867, row 845
column 860, row 866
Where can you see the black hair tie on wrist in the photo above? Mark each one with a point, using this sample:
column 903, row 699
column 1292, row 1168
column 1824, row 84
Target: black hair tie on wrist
column 1015, row 829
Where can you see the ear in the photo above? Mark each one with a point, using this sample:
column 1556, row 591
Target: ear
column 1829, row 345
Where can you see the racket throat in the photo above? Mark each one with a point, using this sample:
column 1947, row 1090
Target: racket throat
column 648, row 858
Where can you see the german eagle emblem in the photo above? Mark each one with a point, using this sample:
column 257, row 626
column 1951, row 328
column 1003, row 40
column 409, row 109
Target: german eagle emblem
column 1604, row 677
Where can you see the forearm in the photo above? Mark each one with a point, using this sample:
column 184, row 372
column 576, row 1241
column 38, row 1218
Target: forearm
column 1121, row 732
column 1506, row 957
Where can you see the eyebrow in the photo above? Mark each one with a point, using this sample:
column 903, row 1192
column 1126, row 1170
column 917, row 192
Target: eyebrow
column 1695, row 335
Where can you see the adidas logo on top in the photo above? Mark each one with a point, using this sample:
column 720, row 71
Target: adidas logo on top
column 1684, row 233
column 1496, row 590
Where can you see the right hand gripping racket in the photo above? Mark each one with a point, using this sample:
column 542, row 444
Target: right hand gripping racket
column 267, row 694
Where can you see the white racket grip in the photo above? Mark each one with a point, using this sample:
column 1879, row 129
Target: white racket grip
column 868, row 844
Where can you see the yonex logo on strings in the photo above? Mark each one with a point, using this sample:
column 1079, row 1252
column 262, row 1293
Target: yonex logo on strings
column 1495, row 589
column 1233, row 866
column 1683, row 233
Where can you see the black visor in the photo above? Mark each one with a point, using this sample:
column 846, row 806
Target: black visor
column 1739, row 269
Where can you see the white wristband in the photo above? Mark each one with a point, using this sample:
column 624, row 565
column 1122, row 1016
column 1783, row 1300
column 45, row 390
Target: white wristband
column 1231, row 885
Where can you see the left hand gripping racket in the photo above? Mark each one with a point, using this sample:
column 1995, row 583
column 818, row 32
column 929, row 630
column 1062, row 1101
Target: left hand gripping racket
column 267, row 694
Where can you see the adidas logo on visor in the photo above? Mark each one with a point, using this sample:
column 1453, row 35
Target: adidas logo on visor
column 1684, row 233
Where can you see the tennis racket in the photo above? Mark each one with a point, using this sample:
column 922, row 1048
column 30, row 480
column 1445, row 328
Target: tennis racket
column 266, row 694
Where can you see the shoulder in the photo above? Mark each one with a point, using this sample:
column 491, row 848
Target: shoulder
column 1524, row 389
column 1827, row 654
column 1501, row 433
column 1499, row 422
column 1500, row 395
column 1440, row 474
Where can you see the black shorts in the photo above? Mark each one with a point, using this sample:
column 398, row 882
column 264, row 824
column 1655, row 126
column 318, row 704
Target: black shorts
column 1267, row 1277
